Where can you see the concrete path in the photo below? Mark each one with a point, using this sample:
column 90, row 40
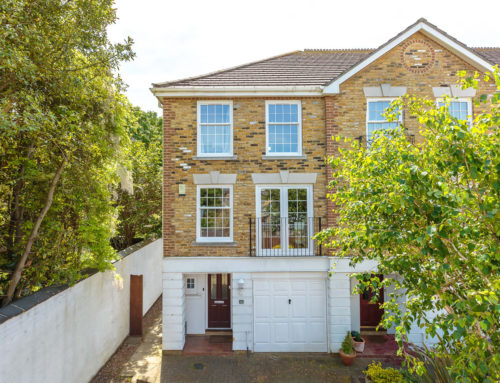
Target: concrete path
column 145, row 364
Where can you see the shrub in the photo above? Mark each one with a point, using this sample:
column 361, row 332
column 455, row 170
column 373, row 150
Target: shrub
column 347, row 344
column 356, row 335
column 378, row 374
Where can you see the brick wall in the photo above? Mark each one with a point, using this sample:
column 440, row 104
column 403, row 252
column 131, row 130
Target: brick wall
column 180, row 130
column 323, row 118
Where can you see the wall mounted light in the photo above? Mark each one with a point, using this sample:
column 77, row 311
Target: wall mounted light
column 241, row 283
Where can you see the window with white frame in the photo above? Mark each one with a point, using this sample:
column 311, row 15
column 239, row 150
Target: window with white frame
column 375, row 120
column 284, row 219
column 215, row 128
column 283, row 128
column 190, row 283
column 215, row 215
column 461, row 109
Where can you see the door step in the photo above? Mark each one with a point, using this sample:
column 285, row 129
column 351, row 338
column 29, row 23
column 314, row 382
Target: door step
column 219, row 332
column 371, row 330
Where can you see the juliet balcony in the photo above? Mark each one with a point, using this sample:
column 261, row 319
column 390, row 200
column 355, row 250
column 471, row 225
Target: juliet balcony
column 275, row 236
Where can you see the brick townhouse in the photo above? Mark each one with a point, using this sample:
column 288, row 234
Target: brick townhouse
column 245, row 184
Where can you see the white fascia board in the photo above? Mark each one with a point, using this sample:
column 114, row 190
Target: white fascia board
column 244, row 264
column 465, row 54
column 240, row 91
column 263, row 265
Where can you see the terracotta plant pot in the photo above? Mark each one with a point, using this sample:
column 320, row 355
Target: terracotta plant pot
column 347, row 359
column 359, row 346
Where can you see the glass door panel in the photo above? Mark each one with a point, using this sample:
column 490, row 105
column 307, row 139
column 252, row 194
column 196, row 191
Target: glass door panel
column 298, row 233
column 270, row 219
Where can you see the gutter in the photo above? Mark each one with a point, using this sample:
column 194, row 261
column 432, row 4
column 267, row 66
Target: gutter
column 238, row 91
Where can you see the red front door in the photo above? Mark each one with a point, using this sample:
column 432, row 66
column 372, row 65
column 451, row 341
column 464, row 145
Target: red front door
column 370, row 312
column 219, row 301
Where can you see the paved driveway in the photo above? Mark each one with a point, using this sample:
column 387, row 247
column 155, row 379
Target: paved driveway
column 260, row 368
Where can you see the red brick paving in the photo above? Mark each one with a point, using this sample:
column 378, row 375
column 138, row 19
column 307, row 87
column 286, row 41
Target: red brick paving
column 208, row 345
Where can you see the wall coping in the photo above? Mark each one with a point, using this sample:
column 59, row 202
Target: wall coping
column 26, row 303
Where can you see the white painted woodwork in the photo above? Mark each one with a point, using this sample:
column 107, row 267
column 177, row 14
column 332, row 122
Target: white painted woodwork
column 290, row 315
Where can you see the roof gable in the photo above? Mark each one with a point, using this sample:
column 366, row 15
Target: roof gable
column 480, row 61
column 312, row 72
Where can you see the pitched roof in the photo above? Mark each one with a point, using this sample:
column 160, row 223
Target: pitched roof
column 310, row 67
column 491, row 54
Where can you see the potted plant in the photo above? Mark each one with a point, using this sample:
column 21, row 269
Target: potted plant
column 376, row 374
column 359, row 343
column 347, row 353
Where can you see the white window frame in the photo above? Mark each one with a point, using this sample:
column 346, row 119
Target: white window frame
column 199, row 238
column 194, row 283
column 368, row 121
column 284, row 251
column 299, row 133
column 198, row 123
column 458, row 99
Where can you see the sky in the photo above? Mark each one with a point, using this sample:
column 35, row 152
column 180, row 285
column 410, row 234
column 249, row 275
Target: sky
column 182, row 38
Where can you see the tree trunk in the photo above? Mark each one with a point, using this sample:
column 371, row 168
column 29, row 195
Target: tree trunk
column 16, row 275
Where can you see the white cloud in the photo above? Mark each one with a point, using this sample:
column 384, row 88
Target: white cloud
column 176, row 39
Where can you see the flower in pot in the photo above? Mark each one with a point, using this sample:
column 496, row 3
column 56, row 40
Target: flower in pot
column 359, row 343
column 347, row 353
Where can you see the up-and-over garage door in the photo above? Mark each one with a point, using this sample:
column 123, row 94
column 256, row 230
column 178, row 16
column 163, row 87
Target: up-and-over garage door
column 290, row 315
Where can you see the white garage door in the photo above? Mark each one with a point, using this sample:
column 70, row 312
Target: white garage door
column 290, row 315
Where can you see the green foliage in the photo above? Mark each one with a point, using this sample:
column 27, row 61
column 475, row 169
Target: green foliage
column 140, row 212
column 382, row 375
column 62, row 111
column 429, row 214
column 437, row 368
column 356, row 335
column 347, row 346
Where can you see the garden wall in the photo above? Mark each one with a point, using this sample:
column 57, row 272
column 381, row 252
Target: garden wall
column 64, row 334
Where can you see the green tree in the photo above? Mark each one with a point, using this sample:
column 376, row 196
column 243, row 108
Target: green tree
column 140, row 210
column 429, row 215
column 62, row 130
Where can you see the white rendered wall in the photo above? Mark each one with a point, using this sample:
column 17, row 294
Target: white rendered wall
column 68, row 337
column 339, row 309
column 174, row 314
column 242, row 313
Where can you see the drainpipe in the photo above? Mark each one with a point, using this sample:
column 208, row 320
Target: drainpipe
column 246, row 341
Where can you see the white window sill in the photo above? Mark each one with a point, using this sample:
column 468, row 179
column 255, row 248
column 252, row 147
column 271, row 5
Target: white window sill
column 207, row 158
column 214, row 244
column 284, row 157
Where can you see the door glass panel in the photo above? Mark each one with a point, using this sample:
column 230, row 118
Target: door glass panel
column 224, row 286
column 270, row 221
column 298, row 236
column 213, row 286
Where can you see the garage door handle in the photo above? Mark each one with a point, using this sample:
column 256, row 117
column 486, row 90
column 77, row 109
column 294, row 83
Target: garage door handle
column 289, row 301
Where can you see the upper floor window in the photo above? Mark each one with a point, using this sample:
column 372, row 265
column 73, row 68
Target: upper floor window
column 214, row 214
column 375, row 120
column 461, row 109
column 283, row 128
column 215, row 128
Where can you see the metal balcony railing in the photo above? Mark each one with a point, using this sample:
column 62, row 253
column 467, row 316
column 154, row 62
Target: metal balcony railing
column 363, row 139
column 274, row 236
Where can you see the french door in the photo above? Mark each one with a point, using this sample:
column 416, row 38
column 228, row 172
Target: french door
column 285, row 220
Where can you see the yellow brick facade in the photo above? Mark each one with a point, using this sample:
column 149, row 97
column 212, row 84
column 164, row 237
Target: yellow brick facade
column 322, row 117
column 249, row 137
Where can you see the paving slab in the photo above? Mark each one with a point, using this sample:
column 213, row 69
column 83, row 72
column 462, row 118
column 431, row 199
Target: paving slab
column 145, row 364
column 261, row 368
